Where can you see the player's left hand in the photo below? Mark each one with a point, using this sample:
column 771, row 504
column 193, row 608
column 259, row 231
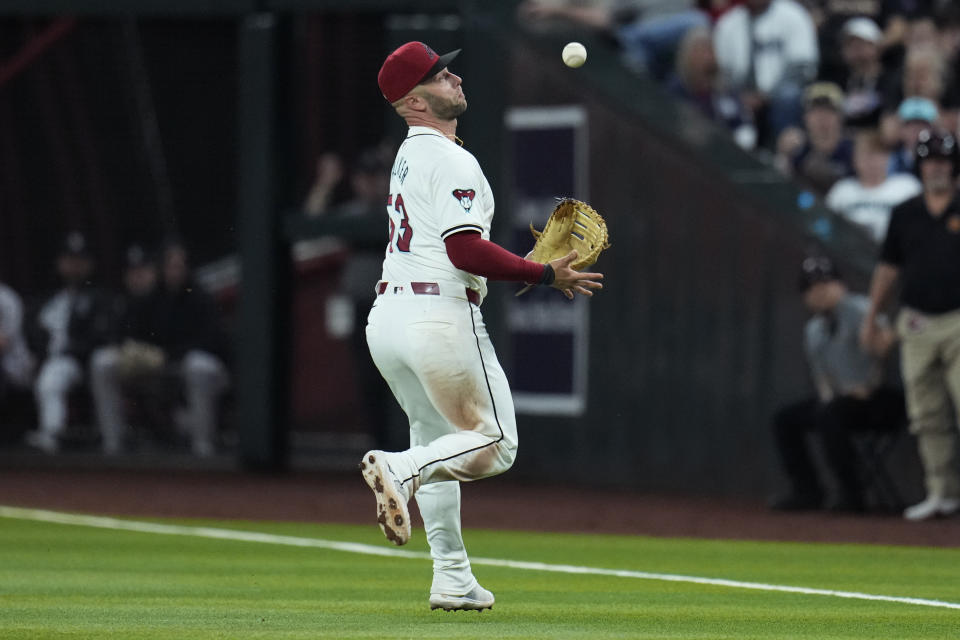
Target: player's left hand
column 572, row 282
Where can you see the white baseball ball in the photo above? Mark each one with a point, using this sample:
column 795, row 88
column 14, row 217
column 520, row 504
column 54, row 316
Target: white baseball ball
column 574, row 54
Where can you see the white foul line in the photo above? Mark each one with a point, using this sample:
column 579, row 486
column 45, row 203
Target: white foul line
column 366, row 549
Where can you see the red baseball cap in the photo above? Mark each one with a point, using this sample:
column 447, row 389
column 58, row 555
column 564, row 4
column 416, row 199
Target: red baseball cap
column 408, row 66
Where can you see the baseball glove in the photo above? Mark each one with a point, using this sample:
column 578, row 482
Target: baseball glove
column 139, row 358
column 572, row 225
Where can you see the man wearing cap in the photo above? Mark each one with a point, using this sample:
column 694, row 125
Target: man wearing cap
column 921, row 250
column 174, row 332
column 425, row 331
column 864, row 79
column 850, row 395
column 831, row 16
column 64, row 332
column 111, row 362
column 821, row 153
column 913, row 116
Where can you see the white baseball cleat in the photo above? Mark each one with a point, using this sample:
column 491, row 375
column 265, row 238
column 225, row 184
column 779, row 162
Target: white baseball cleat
column 392, row 512
column 932, row 507
column 476, row 600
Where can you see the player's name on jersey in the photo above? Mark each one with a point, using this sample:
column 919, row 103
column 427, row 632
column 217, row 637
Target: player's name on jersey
column 400, row 169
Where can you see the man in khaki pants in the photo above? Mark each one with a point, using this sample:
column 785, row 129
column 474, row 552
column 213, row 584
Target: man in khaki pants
column 922, row 248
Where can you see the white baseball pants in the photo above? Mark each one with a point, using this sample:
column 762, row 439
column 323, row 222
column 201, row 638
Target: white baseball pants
column 436, row 355
column 57, row 376
column 205, row 378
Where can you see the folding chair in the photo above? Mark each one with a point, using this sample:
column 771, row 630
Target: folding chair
column 873, row 449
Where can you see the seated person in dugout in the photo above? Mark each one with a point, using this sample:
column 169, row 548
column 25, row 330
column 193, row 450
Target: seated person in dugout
column 16, row 362
column 851, row 394
column 165, row 329
column 63, row 333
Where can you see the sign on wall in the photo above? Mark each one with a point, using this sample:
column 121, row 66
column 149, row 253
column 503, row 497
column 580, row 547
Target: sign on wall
column 549, row 334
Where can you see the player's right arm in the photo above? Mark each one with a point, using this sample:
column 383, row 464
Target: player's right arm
column 884, row 277
column 881, row 286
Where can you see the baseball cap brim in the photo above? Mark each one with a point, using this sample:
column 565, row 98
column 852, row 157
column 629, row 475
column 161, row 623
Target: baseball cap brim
column 441, row 63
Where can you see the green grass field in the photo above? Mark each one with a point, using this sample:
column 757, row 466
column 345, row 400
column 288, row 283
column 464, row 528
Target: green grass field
column 69, row 581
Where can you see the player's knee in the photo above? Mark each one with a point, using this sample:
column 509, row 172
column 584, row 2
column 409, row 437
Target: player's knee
column 931, row 424
column 491, row 460
column 508, row 453
column 203, row 370
column 104, row 362
column 50, row 382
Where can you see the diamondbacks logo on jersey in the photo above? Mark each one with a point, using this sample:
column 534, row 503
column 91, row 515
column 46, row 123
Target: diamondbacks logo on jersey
column 465, row 196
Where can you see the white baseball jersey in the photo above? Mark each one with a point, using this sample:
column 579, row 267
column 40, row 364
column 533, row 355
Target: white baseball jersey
column 870, row 207
column 436, row 189
column 781, row 37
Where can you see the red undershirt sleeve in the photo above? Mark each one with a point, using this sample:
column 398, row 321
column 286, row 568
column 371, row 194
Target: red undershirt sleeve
column 471, row 253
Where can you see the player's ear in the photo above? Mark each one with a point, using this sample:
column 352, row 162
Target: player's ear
column 413, row 101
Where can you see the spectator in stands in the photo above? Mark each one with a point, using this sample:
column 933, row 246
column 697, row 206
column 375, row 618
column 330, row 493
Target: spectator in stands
column 921, row 248
column 850, row 394
column 172, row 331
column 767, row 51
column 821, row 153
column 912, row 116
column 113, row 365
column 359, row 223
column 16, row 361
column 949, row 22
column 862, row 75
column 64, row 332
column 329, row 174
column 696, row 81
column 716, row 8
column 191, row 336
column 647, row 31
column 921, row 31
column 924, row 75
column 868, row 197
column 831, row 16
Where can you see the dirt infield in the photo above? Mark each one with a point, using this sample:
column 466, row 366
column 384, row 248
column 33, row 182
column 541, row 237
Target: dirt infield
column 495, row 503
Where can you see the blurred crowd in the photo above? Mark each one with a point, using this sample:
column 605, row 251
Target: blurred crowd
column 131, row 362
column 849, row 336
column 859, row 103
column 834, row 93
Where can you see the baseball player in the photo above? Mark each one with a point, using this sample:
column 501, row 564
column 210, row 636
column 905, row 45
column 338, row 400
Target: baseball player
column 425, row 331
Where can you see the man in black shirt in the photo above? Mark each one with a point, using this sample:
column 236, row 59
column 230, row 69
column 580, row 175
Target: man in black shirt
column 922, row 248
column 171, row 329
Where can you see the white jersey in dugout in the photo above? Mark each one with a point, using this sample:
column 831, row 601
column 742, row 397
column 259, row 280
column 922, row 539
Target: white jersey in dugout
column 436, row 189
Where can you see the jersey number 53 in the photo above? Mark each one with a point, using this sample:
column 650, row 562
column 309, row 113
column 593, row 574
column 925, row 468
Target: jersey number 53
column 406, row 231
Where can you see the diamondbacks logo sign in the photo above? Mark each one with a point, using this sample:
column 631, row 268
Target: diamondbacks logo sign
column 465, row 196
